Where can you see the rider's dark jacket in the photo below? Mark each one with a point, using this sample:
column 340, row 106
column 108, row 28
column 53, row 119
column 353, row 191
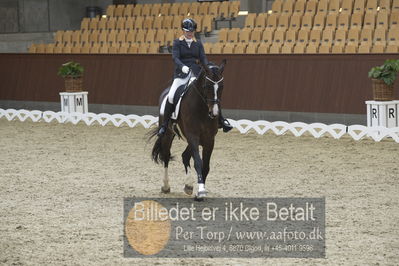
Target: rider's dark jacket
column 188, row 56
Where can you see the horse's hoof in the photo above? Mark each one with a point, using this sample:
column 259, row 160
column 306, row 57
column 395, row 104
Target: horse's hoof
column 200, row 196
column 188, row 190
column 165, row 190
column 196, row 198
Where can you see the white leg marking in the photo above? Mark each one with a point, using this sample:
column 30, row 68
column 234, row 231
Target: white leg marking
column 166, row 179
column 201, row 191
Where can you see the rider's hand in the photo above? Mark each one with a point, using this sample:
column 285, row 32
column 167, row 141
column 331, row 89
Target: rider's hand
column 185, row 69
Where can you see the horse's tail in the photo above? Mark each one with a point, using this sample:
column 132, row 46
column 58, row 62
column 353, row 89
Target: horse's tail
column 156, row 152
column 157, row 149
column 177, row 131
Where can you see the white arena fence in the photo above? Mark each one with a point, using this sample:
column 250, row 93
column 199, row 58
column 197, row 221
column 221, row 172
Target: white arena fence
column 317, row 130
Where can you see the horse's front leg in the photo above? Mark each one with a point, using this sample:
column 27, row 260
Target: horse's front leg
column 206, row 157
column 194, row 146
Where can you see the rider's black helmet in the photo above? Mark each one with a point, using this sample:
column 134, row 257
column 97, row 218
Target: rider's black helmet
column 189, row 25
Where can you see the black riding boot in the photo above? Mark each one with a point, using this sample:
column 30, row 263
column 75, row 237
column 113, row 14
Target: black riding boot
column 169, row 108
column 223, row 123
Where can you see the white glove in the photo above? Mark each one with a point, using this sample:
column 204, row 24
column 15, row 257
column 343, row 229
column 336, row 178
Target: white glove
column 185, row 69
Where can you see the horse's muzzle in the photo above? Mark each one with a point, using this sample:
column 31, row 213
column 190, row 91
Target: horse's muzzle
column 213, row 111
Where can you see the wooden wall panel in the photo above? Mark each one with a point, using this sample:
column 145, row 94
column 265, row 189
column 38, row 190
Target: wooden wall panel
column 298, row 83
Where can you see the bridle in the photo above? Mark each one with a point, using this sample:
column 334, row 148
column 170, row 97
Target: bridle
column 205, row 99
column 215, row 83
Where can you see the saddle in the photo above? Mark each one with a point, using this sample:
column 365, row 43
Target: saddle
column 180, row 92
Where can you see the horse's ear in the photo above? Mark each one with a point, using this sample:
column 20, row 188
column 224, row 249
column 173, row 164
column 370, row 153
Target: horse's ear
column 224, row 61
column 208, row 71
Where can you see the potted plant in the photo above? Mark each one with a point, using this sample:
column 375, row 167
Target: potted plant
column 383, row 78
column 72, row 72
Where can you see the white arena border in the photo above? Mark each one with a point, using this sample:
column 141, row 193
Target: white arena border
column 317, row 130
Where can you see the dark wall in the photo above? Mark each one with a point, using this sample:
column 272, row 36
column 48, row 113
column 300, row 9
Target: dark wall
column 44, row 15
column 53, row 15
column 66, row 15
column 9, row 21
column 34, row 15
column 297, row 83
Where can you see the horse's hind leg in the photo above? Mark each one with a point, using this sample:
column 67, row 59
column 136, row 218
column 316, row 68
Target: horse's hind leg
column 167, row 140
column 166, row 187
column 186, row 156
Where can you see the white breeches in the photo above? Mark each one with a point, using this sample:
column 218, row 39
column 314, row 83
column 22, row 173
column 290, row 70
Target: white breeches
column 177, row 82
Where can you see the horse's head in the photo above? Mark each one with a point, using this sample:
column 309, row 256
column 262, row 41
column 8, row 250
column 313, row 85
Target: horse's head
column 212, row 86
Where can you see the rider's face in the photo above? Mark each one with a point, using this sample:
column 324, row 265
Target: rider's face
column 188, row 34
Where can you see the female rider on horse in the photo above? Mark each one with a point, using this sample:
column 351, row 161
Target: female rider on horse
column 187, row 51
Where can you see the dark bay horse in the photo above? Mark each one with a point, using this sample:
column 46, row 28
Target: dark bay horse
column 198, row 123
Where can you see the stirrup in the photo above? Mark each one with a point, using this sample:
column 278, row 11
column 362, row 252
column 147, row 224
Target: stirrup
column 226, row 126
